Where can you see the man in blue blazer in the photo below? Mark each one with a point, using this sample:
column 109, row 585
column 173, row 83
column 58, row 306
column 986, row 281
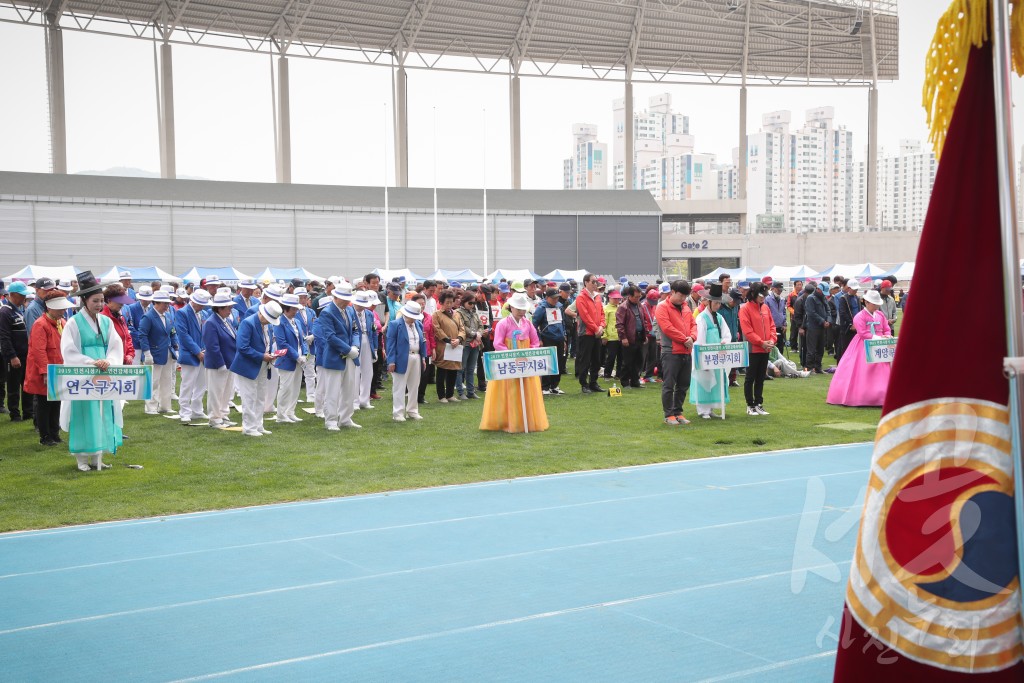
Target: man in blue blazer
column 219, row 344
column 363, row 313
column 159, row 344
column 133, row 316
column 338, row 348
column 253, row 356
column 292, row 341
column 305, row 318
column 188, row 321
column 245, row 300
column 407, row 353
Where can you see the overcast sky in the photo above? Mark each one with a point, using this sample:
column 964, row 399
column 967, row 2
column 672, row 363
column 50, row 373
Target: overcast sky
column 224, row 129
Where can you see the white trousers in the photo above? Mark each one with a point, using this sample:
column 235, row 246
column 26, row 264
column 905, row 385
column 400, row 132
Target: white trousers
column 288, row 392
column 309, row 372
column 349, row 392
column 272, row 383
column 365, row 373
column 219, row 390
column 190, row 395
column 163, row 386
column 320, row 393
column 329, row 385
column 254, row 397
column 403, row 405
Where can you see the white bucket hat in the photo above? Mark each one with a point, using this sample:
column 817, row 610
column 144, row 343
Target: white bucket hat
column 301, row 291
column 362, row 299
column 124, row 275
column 181, row 293
column 200, row 297
column 247, row 283
column 60, row 303
column 271, row 312
column 273, row 292
column 222, row 298
column 412, row 310
column 167, row 288
column 374, row 299
column 291, row 300
column 323, row 301
column 343, row 291
column 64, row 285
column 161, row 297
column 873, row 297
column 520, row 301
column 145, row 293
column 853, row 284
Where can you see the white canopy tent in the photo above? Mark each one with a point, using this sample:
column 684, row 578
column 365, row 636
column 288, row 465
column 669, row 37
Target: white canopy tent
column 222, row 272
column 902, row 272
column 32, row 273
column 389, row 275
column 558, row 275
column 854, row 270
column 286, row 274
column 512, row 275
column 465, row 275
column 138, row 273
column 737, row 274
column 790, row 273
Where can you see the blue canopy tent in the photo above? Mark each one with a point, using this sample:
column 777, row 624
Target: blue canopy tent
column 859, row 271
column 226, row 273
column 465, row 275
column 558, row 275
column 33, row 273
column 138, row 274
column 388, row 275
column 512, row 275
column 737, row 274
column 790, row 273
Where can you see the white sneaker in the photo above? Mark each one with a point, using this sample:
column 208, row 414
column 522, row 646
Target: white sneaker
column 294, row 418
column 558, row 391
column 263, row 430
column 366, row 407
column 398, row 418
column 761, row 411
column 442, row 400
column 546, row 392
column 320, row 415
column 415, row 416
column 151, row 412
column 201, row 416
column 185, row 420
column 351, row 425
column 250, row 433
column 453, row 400
column 751, row 410
column 333, row 428
column 83, row 467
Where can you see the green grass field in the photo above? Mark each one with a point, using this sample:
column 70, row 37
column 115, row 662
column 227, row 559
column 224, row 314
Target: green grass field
column 197, row 468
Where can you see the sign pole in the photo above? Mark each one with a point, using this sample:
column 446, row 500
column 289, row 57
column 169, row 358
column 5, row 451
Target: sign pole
column 721, row 387
column 522, row 397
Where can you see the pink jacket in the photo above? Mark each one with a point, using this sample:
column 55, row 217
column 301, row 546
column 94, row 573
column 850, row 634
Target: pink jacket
column 503, row 332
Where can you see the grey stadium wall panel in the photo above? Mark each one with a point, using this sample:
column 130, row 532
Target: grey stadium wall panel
column 620, row 244
column 419, row 243
column 322, row 243
column 513, row 242
column 554, row 243
column 18, row 239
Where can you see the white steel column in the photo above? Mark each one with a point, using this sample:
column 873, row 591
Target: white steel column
column 741, row 185
column 284, row 129
column 627, row 134
column 401, row 130
column 55, row 92
column 872, row 165
column 515, row 138
column 166, row 113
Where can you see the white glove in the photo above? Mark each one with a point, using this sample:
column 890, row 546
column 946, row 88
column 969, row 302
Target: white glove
column 302, row 360
column 374, row 358
column 309, row 339
column 353, row 353
column 147, row 358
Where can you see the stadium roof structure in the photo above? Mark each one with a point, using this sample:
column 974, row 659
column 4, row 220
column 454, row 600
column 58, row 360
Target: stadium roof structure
column 759, row 42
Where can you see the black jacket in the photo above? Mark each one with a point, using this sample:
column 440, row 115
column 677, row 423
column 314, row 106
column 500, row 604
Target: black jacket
column 816, row 310
column 13, row 335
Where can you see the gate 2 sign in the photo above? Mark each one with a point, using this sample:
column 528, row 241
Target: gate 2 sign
column 702, row 245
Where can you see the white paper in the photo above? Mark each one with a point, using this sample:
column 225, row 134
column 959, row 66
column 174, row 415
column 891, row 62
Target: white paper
column 554, row 316
column 453, row 354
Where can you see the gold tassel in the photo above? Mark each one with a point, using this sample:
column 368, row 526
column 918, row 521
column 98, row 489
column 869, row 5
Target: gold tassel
column 963, row 26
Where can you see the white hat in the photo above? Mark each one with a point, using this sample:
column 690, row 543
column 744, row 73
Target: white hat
column 853, row 284
column 343, row 291
column 301, row 291
column 64, row 285
column 519, row 300
column 361, row 299
column 374, row 299
column 222, row 298
column 145, row 293
column 124, row 275
column 59, row 303
column 200, row 297
column 247, row 283
column 167, row 288
column 271, row 311
column 273, row 292
column 665, row 288
column 873, row 297
column 412, row 310
column 323, row 301
column 291, row 300
column 181, row 293
column 224, row 290
column 161, row 297
column 335, row 280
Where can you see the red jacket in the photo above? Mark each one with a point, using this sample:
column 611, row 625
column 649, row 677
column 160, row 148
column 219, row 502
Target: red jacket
column 757, row 325
column 43, row 349
column 590, row 311
column 122, row 331
column 676, row 324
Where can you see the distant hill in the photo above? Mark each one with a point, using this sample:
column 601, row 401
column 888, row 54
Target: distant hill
column 128, row 172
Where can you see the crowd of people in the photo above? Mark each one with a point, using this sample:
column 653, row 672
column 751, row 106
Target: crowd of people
column 253, row 346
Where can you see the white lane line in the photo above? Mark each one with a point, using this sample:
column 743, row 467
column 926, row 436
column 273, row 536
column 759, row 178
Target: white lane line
column 399, row 572
column 493, row 624
column 774, row 666
column 187, row 516
column 411, row 525
column 690, row 634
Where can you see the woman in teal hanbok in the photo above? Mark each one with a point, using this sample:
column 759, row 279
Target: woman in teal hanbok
column 708, row 386
column 93, row 427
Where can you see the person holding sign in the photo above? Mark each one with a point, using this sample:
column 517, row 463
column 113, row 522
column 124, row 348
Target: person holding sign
column 43, row 350
column 858, row 382
column 506, row 398
column 449, row 336
column 406, row 357
column 708, row 385
column 93, row 427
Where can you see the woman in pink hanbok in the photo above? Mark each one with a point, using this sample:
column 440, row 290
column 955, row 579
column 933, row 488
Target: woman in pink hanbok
column 857, row 382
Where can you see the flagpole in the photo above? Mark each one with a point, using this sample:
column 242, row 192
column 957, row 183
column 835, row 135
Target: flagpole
column 387, row 213
column 436, row 266
column 485, row 190
column 1011, row 265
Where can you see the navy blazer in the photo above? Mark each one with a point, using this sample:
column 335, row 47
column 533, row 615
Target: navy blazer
column 398, row 344
column 318, row 343
column 160, row 339
column 336, row 331
column 294, row 347
column 249, row 348
column 242, row 304
column 132, row 314
column 190, row 335
column 371, row 331
column 219, row 339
